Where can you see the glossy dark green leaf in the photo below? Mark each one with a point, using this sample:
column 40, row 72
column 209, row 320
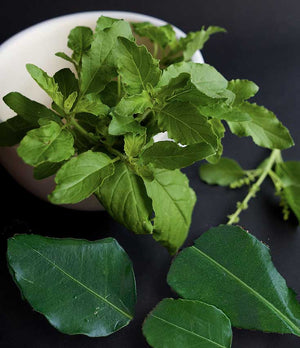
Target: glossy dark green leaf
column 223, row 173
column 49, row 143
column 81, row 287
column 185, row 323
column 124, row 196
column 13, row 130
column 29, row 110
column 168, row 155
column 173, row 203
column 81, row 176
column 231, row 269
column 264, row 128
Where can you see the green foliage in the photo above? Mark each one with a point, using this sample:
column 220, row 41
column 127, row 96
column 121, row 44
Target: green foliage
column 98, row 137
column 81, row 287
column 229, row 268
column 184, row 323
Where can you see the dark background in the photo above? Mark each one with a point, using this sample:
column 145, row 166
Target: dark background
column 262, row 45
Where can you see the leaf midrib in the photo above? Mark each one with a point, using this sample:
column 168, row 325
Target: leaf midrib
column 187, row 331
column 79, row 283
column 279, row 314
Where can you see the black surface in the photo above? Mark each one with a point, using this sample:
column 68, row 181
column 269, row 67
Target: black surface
column 262, row 45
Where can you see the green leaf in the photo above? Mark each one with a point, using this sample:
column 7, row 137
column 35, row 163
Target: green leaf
column 163, row 35
column 264, row 128
column 173, row 202
column 223, row 173
column 289, row 174
column 69, row 102
column 231, row 269
column 104, row 22
column 185, row 323
column 81, row 287
column 13, row 130
column 109, row 95
column 203, row 76
column 67, row 82
column 98, row 65
column 79, row 41
column 136, row 66
column 185, row 124
column 176, row 86
column 81, row 176
column 168, row 155
column 243, row 90
column 91, row 104
column 195, row 41
column 122, row 115
column 124, row 196
column 64, row 56
column 49, row 143
column 29, row 110
column 219, row 130
column 47, row 83
column 46, row 169
column 133, row 144
column 292, row 196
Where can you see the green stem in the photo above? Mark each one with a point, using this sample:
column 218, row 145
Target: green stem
column 82, row 131
column 155, row 49
column 119, row 87
column 275, row 156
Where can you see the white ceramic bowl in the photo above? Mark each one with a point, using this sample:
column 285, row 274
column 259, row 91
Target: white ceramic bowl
column 37, row 45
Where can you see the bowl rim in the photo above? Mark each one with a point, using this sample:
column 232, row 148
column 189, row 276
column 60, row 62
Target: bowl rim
column 127, row 15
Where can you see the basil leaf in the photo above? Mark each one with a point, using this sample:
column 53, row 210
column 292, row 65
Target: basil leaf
column 81, row 287
column 223, row 173
column 219, row 130
column 29, row 110
column 80, row 177
column 163, row 35
column 49, row 143
column 133, row 143
column 98, row 65
column 104, row 22
column 109, row 95
column 79, row 40
column 264, row 128
column 67, row 82
column 173, row 202
column 46, row 169
column 168, row 155
column 243, row 89
column 124, row 196
column 195, row 41
column 232, row 270
column 185, row 323
column 136, row 66
column 13, row 130
column 122, row 115
column 289, row 174
column 91, row 104
column 185, row 124
column 47, row 83
column 203, row 76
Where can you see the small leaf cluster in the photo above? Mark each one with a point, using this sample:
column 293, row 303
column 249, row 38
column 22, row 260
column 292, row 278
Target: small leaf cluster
column 98, row 135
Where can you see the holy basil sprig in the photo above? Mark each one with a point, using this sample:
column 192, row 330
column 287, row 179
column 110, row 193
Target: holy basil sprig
column 98, row 136
column 284, row 175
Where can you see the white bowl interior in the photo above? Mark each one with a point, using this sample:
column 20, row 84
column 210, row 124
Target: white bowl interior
column 38, row 45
